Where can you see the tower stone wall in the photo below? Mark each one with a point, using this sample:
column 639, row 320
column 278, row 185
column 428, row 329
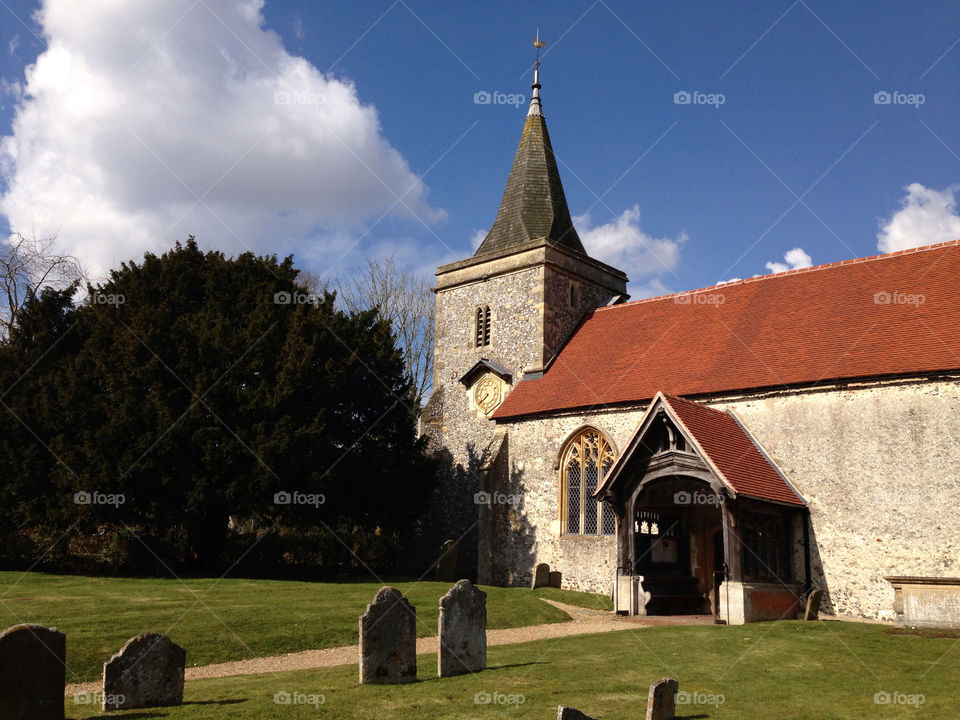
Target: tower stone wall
column 533, row 311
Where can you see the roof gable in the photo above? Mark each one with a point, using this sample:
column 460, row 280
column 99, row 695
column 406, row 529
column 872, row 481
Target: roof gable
column 896, row 314
column 722, row 442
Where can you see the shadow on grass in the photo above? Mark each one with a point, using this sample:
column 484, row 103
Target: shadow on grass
column 504, row 667
column 137, row 716
column 134, row 716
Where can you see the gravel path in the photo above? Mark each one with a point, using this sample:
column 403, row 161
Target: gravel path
column 583, row 622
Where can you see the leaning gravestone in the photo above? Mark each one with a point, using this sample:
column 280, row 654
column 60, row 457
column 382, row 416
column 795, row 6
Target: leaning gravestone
column 556, row 578
column 813, row 604
column 447, row 565
column 541, row 576
column 662, row 700
column 147, row 672
column 32, row 673
column 568, row 713
column 462, row 629
column 388, row 639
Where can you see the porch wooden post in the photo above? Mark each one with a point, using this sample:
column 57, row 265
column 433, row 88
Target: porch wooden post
column 731, row 542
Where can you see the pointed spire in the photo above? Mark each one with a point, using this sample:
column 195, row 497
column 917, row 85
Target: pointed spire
column 535, row 108
column 533, row 204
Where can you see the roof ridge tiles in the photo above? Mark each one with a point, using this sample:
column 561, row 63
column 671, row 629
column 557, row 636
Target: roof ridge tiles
column 792, row 271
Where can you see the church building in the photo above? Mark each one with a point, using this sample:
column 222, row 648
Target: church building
column 722, row 450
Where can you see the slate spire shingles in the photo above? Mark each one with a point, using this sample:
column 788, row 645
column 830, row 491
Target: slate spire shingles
column 533, row 204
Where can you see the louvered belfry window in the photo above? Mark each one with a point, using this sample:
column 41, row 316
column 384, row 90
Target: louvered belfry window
column 483, row 326
column 588, row 458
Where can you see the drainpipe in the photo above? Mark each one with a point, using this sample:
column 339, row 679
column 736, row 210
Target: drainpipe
column 806, row 549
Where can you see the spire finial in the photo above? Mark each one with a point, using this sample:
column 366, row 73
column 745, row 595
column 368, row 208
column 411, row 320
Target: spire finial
column 535, row 98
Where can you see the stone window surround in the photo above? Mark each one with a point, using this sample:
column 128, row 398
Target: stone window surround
column 561, row 467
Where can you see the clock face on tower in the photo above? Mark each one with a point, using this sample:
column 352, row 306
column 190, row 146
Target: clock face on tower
column 487, row 393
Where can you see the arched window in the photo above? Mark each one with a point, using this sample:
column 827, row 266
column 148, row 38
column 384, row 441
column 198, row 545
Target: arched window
column 482, row 326
column 587, row 459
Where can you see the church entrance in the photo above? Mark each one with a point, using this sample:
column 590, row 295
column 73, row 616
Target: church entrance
column 674, row 545
column 706, row 524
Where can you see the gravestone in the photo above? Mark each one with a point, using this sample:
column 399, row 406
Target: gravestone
column 813, row 605
column 447, row 565
column 147, row 672
column 556, row 578
column 569, row 713
column 662, row 700
column 541, row 576
column 462, row 627
column 32, row 673
column 388, row 639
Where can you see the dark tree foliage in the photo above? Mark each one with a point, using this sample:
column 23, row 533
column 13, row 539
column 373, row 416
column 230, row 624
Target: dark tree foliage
column 199, row 388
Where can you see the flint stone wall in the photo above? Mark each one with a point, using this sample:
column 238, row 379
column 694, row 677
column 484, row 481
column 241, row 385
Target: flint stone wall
column 530, row 309
column 878, row 464
column 32, row 673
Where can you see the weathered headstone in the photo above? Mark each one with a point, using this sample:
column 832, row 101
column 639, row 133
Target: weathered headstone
column 569, row 713
column 462, row 629
column 812, row 611
column 541, row 576
column 447, row 565
column 32, row 673
column 147, row 672
column 388, row 639
column 662, row 700
column 556, row 578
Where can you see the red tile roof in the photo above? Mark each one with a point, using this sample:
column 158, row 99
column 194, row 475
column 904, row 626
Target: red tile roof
column 733, row 452
column 894, row 314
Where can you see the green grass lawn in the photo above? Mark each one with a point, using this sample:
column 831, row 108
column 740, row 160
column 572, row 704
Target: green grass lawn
column 765, row 671
column 229, row 619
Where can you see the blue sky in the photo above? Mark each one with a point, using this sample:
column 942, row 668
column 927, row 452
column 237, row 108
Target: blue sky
column 784, row 147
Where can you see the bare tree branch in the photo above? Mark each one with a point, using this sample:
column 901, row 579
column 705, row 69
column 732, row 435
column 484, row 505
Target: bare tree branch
column 405, row 300
column 27, row 265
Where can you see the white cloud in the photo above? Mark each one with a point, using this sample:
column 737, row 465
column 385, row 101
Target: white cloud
column 624, row 245
column 926, row 217
column 119, row 132
column 477, row 238
column 795, row 259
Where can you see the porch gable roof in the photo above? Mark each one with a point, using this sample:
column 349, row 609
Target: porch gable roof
column 722, row 441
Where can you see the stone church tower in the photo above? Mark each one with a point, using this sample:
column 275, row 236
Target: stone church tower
column 501, row 317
